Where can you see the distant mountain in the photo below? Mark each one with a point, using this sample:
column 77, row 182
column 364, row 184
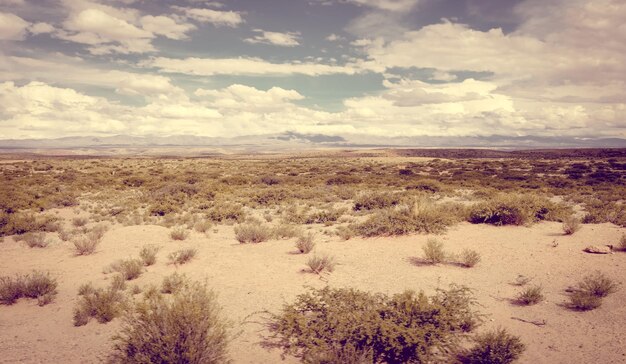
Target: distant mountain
column 294, row 140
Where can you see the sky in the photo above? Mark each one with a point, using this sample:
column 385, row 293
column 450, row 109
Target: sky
column 382, row 68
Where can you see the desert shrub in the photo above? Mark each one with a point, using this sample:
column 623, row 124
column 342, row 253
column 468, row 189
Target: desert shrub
column 202, row 226
column 35, row 240
column 345, row 232
column 621, row 245
column 305, row 243
column 530, row 296
column 222, row 212
column 270, row 180
column 286, row 231
column 148, row 254
column 179, row 233
column 80, row 221
column 97, row 232
column 597, row 284
column 186, row 327
column 584, row 301
column 102, row 304
column 324, row 216
column 11, row 289
column 513, row 209
column 65, row 235
column 182, row 256
column 252, row 233
column 84, row 245
column 319, row 264
column 86, row 288
column 469, row 258
column 427, row 185
column 375, row 200
column 37, row 285
column 21, row 223
column 173, row 283
column 342, row 180
column 118, row 283
column 571, row 225
column 404, row 328
column 495, row 347
column 129, row 268
column 433, row 251
column 422, row 217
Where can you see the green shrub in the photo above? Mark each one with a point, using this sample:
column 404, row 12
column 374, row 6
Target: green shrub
column 252, row 233
column 186, row 327
column 516, row 209
column 179, row 233
column 571, row 225
column 530, row 296
column 469, row 258
column 305, row 243
column 182, row 256
column 102, row 304
column 321, row 263
column 433, row 252
column 346, row 323
column 148, row 254
column 495, row 347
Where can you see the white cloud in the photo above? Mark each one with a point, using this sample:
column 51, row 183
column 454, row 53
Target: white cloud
column 289, row 39
column 242, row 66
column 41, row 28
column 215, row 17
column 334, row 37
column 388, row 5
column 12, row 27
column 166, row 26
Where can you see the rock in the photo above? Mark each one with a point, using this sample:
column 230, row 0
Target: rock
column 597, row 249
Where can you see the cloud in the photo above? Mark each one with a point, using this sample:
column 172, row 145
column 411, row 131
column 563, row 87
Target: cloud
column 242, row 66
column 216, row 17
column 166, row 26
column 289, row 39
column 12, row 27
column 40, row 28
column 388, row 5
column 334, row 37
column 240, row 97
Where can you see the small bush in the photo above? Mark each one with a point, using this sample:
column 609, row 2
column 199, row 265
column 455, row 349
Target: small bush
column 187, row 327
column 375, row 200
column 84, row 245
column 148, row 254
column 224, row 212
column 286, row 231
column 622, row 243
column 321, row 263
column 129, row 268
column 102, row 304
column 495, row 347
column 530, row 296
column 597, row 284
column 344, row 232
column 118, row 283
column 179, row 233
column 202, row 226
column 571, row 225
column 173, row 283
column 80, row 221
column 584, row 301
column 305, row 243
column 469, row 258
column 182, row 256
column 11, row 289
column 37, row 285
column 35, row 240
column 86, row 288
column 433, row 252
column 516, row 210
column 349, row 324
column 252, row 233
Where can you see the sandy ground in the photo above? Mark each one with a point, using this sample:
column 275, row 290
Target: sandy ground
column 251, row 278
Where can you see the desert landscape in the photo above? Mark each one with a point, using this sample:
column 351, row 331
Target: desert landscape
column 515, row 239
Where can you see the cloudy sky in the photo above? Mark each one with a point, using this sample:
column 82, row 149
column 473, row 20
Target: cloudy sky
column 337, row 67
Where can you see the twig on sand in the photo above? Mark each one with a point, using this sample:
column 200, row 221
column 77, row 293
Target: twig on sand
column 534, row 322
